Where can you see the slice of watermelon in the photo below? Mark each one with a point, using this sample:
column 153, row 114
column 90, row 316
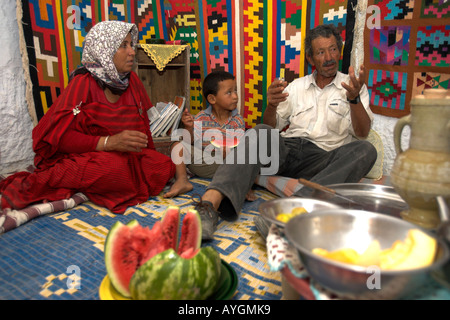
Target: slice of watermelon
column 191, row 234
column 229, row 142
column 170, row 223
column 124, row 247
column 154, row 243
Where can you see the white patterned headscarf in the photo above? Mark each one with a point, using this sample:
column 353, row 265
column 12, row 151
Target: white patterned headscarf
column 101, row 44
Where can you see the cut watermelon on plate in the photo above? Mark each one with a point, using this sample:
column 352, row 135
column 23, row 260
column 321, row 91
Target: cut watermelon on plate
column 157, row 263
column 226, row 288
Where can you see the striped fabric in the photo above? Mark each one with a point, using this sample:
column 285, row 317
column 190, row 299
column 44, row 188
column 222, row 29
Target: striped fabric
column 10, row 219
column 281, row 186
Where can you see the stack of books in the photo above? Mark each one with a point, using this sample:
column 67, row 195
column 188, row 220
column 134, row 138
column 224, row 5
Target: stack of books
column 166, row 117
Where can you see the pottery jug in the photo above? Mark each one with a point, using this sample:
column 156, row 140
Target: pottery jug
column 422, row 172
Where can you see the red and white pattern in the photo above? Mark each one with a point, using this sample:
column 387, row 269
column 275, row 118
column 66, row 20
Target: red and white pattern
column 10, row 219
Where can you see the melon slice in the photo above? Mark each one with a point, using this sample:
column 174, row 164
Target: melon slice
column 418, row 250
column 228, row 142
column 125, row 246
column 170, row 222
column 191, row 235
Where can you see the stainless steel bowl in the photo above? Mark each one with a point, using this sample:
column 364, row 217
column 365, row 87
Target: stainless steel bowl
column 269, row 210
column 372, row 197
column 345, row 228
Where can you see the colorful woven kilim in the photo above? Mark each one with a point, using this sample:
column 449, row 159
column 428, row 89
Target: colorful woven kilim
column 255, row 40
column 407, row 50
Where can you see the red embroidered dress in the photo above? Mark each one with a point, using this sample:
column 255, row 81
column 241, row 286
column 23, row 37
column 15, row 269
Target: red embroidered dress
column 115, row 180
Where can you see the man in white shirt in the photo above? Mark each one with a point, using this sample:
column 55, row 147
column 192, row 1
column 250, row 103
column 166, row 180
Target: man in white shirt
column 322, row 112
column 321, row 115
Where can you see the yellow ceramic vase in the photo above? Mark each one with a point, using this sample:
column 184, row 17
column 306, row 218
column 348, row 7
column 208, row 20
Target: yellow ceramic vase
column 422, row 172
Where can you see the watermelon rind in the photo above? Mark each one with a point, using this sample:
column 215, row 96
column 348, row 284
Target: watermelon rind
column 167, row 276
column 132, row 223
column 112, row 269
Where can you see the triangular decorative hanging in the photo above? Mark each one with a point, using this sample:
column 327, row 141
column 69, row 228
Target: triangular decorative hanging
column 162, row 54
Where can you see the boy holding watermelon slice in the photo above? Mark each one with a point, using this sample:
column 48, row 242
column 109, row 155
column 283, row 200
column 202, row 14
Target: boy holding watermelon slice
column 212, row 129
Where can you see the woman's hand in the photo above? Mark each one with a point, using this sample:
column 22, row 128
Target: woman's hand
column 125, row 141
column 187, row 119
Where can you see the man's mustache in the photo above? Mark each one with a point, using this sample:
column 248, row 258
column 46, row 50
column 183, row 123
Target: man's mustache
column 329, row 63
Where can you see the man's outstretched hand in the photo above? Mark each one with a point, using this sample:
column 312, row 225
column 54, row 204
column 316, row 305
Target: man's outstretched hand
column 355, row 84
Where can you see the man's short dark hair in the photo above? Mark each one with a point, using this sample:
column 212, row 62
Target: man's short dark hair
column 326, row 31
column 211, row 82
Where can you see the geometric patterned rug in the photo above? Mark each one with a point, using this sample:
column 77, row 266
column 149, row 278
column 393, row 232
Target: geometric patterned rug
column 406, row 51
column 42, row 258
column 59, row 256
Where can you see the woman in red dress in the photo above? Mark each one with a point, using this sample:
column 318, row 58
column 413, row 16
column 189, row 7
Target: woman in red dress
column 96, row 138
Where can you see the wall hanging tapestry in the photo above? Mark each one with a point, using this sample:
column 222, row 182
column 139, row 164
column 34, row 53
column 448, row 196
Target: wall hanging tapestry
column 253, row 39
column 407, row 50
